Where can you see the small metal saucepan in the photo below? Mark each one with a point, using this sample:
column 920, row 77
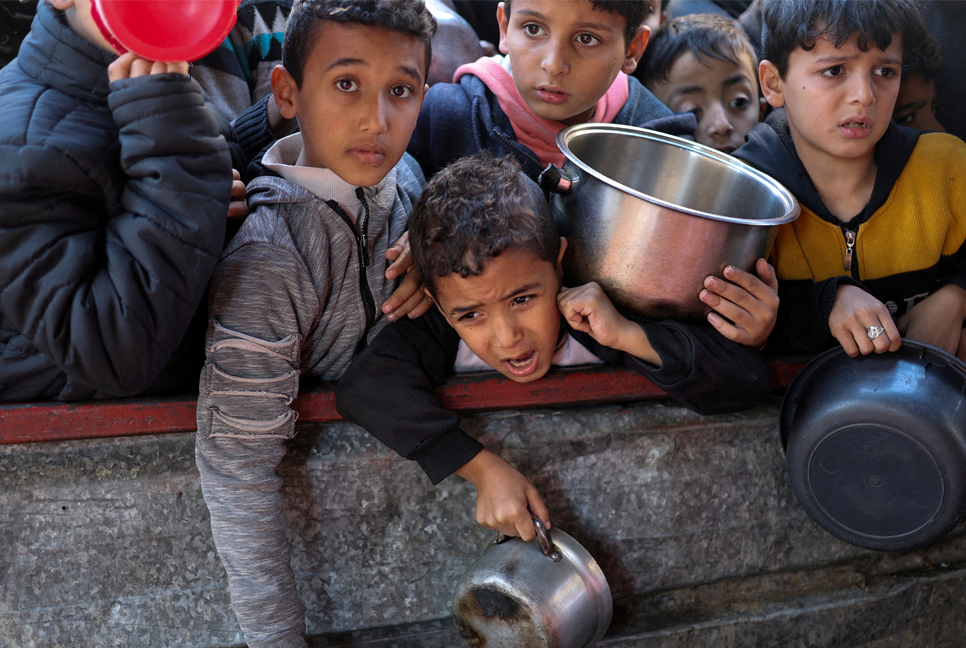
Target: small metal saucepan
column 546, row 593
column 876, row 445
column 649, row 216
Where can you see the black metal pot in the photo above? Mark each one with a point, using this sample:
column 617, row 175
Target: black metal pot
column 876, row 445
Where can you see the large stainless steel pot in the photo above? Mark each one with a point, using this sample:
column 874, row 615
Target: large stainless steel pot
column 546, row 593
column 649, row 216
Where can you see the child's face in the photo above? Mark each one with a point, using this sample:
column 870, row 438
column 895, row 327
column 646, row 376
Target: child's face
column 507, row 315
column 655, row 18
column 80, row 19
column 722, row 95
column 916, row 104
column 362, row 88
column 838, row 100
column 565, row 54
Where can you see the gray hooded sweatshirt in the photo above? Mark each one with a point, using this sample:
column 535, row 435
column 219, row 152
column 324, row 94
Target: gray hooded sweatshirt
column 297, row 291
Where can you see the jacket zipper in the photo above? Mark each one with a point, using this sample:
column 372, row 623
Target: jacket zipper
column 362, row 245
column 850, row 253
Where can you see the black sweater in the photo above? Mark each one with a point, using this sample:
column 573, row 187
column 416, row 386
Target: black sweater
column 388, row 388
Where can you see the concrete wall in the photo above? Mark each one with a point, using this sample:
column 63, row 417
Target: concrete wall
column 107, row 543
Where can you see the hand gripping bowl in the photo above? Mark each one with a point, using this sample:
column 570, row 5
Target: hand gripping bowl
column 545, row 593
column 648, row 216
column 165, row 30
column 876, row 445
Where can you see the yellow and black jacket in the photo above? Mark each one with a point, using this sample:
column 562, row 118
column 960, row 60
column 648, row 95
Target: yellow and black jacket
column 905, row 244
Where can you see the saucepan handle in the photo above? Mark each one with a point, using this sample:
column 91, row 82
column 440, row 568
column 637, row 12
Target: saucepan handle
column 553, row 179
column 546, row 542
column 547, row 546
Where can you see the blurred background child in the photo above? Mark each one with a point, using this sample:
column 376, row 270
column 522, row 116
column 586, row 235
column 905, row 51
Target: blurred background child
column 705, row 65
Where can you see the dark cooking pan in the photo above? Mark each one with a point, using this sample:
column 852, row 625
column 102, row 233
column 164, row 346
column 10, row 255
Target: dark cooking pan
column 876, row 445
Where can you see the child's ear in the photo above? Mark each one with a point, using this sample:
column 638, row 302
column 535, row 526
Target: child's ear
column 285, row 92
column 636, row 49
column 504, row 19
column 560, row 255
column 771, row 84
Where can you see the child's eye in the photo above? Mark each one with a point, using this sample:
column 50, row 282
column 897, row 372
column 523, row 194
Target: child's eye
column 903, row 120
column 740, row 103
column 401, row 92
column 587, row 39
column 886, row 72
column 522, row 300
column 834, row 71
column 469, row 317
column 532, row 29
column 347, row 85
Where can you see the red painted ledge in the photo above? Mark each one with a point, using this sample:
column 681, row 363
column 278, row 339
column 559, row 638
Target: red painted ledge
column 39, row 422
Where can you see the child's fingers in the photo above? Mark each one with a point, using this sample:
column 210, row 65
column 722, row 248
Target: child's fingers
column 409, row 287
column 121, row 67
column 402, row 263
column 414, row 306
column 767, row 274
column 398, row 248
column 537, row 507
column 729, row 330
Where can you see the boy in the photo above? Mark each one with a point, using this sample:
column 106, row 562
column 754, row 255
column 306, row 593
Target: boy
column 566, row 63
column 114, row 184
column 917, row 101
column 882, row 225
column 704, row 64
column 487, row 249
column 298, row 290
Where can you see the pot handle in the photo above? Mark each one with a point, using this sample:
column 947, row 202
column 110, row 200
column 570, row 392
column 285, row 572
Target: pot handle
column 553, row 179
column 547, row 546
column 546, row 543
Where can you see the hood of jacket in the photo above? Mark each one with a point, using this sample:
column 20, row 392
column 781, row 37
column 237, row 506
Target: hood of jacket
column 770, row 148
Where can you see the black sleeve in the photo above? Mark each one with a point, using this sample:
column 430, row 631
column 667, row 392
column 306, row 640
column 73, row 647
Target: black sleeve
column 700, row 368
column 108, row 297
column 804, row 308
column 388, row 390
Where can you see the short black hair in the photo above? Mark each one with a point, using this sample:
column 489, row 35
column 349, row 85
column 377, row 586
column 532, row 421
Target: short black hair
column 634, row 12
column 473, row 210
column 790, row 24
column 405, row 16
column 705, row 36
column 925, row 60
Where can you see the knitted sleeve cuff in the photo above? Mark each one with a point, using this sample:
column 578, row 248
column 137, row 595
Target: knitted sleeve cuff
column 251, row 128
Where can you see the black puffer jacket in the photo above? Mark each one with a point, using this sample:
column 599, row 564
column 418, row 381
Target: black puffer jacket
column 112, row 216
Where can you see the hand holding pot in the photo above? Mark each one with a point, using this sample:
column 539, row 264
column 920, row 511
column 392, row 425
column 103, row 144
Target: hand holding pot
column 504, row 497
column 750, row 303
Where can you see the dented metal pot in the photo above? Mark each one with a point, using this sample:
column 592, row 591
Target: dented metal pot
column 546, row 593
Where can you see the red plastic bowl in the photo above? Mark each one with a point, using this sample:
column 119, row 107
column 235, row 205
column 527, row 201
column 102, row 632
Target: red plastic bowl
column 167, row 30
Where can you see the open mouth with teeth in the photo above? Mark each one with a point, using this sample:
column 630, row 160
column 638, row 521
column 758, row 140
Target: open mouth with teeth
column 522, row 365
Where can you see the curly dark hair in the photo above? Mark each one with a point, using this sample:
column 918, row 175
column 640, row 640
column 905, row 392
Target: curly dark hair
column 705, row 36
column 790, row 24
column 634, row 12
column 926, row 60
column 473, row 210
column 405, row 16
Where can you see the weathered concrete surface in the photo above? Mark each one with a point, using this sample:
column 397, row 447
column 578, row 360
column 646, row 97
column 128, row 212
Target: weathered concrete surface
column 106, row 543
